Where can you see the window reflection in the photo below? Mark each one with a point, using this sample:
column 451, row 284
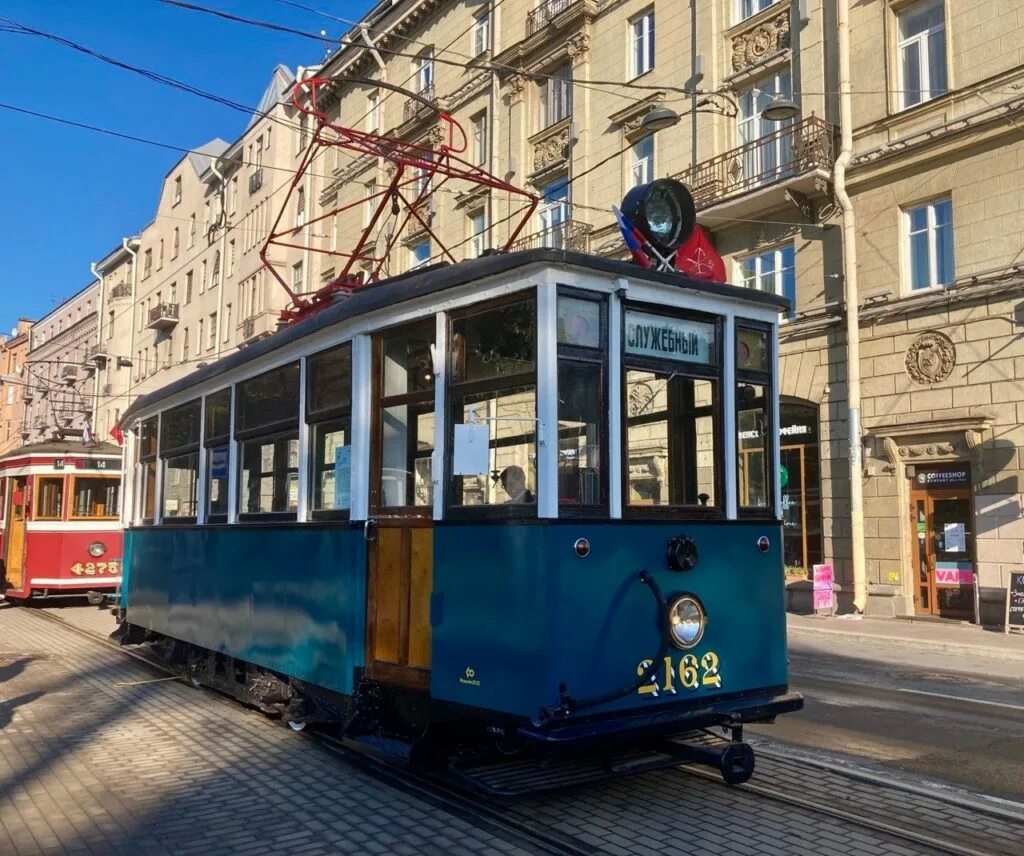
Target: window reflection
column 579, row 433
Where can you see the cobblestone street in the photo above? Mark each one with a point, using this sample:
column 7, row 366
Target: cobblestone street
column 101, row 756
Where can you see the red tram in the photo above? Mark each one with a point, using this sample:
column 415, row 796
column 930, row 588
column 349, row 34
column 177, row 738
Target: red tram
column 59, row 528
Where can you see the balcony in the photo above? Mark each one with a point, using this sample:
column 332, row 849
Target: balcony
column 255, row 180
column 414, row 107
column 163, row 316
column 752, row 178
column 540, row 18
column 567, row 235
column 121, row 290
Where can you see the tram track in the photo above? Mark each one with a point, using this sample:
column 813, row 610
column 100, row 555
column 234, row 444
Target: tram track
column 506, row 820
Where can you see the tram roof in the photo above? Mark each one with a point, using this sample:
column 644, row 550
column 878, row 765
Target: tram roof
column 438, row 278
column 63, row 447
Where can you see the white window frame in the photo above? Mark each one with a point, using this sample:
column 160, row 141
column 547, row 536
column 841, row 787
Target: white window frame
column 481, row 32
column 931, row 230
column 642, row 163
column 414, row 260
column 642, row 43
column 423, row 71
column 555, row 96
column 919, row 42
column 477, row 236
column 300, row 207
column 372, row 111
column 777, row 274
column 479, row 141
column 748, row 8
column 298, row 277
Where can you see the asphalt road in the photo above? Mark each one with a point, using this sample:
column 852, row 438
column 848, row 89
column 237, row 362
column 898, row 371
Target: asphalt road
column 952, row 718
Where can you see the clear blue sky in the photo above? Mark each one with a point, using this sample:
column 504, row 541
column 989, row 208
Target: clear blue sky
column 68, row 196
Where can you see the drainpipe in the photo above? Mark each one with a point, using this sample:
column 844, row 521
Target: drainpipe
column 222, row 285
column 99, row 341
column 860, row 585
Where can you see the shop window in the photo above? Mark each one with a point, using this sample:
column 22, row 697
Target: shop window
column 179, row 451
column 267, row 428
column 582, row 478
column 49, row 498
column 494, row 387
column 329, row 413
column 800, row 483
column 671, row 403
column 216, row 439
column 754, row 419
column 95, row 497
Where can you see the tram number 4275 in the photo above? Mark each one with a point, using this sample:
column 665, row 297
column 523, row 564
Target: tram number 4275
column 91, row 569
column 690, row 674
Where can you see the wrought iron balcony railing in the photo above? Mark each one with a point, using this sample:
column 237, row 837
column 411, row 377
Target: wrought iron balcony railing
column 801, row 147
column 248, row 328
column 162, row 316
column 537, row 19
column 567, row 235
column 414, row 106
column 122, row 289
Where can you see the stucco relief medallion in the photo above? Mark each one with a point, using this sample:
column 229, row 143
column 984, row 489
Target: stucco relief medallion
column 930, row 358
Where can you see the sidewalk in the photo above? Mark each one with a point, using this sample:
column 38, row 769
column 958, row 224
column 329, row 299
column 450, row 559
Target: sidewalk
column 929, row 636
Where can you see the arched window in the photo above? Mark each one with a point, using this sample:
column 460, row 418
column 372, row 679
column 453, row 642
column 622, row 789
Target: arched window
column 800, row 474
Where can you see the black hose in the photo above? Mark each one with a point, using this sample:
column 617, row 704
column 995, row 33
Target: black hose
column 569, row 704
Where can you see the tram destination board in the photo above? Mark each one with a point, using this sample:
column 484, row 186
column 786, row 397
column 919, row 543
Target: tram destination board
column 1015, row 603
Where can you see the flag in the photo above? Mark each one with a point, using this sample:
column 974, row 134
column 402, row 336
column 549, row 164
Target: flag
column 87, row 435
column 634, row 240
column 118, row 435
column 697, row 258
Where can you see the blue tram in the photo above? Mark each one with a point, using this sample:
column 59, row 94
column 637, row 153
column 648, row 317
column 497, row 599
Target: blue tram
column 522, row 506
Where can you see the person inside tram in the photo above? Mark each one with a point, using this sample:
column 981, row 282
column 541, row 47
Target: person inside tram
column 513, row 482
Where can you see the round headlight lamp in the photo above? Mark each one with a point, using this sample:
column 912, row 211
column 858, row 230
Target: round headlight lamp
column 663, row 211
column 686, row 621
column 97, row 549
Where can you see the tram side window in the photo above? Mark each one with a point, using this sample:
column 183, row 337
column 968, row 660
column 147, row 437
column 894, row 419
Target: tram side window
column 147, row 470
column 329, row 413
column 49, row 497
column 581, row 369
column 216, row 438
column 179, row 451
column 494, row 384
column 95, row 496
column 267, row 430
column 754, row 419
column 671, row 412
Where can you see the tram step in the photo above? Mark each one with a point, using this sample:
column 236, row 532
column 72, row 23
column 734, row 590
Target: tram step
column 389, row 748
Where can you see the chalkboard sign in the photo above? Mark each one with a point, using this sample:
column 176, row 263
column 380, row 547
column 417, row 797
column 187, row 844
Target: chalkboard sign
column 1015, row 603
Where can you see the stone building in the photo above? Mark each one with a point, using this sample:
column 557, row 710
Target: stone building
column 13, row 352
column 60, row 377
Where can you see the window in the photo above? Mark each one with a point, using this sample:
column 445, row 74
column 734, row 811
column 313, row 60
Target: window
column 494, row 385
column 176, row 243
column 267, row 428
column 212, row 343
column 303, row 132
column 423, row 73
column 800, row 479
column 642, row 161
column 231, row 258
column 49, row 498
column 147, row 470
column 754, row 419
column 147, row 263
column 752, row 7
column 773, row 158
column 202, row 278
column 298, row 278
column 234, row 194
column 922, row 47
column 371, row 202
column 477, row 234
column 773, row 271
column 177, row 189
column 300, row 207
column 419, row 255
column 582, row 480
column 184, row 346
column 482, row 32
column 329, row 413
column 373, row 111
column 179, row 452
column 671, row 412
column 191, row 231
column 556, row 96
column 554, row 213
column 215, row 438
column 479, row 130
column 188, row 288
column 216, row 270
column 199, row 336
column 160, row 258
column 930, row 238
column 227, row 323
column 641, row 31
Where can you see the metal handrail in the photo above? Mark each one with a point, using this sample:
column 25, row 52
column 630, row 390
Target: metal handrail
column 163, row 310
column 537, row 19
column 567, row 235
column 808, row 144
column 414, row 106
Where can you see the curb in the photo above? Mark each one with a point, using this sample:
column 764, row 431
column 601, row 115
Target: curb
column 947, row 647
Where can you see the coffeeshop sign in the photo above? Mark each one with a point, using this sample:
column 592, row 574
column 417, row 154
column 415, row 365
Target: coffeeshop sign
column 669, row 338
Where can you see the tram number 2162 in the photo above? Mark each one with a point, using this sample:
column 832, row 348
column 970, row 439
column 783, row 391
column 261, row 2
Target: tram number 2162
column 691, row 673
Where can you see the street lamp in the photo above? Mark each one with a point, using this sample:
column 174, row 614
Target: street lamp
column 659, row 119
column 780, row 109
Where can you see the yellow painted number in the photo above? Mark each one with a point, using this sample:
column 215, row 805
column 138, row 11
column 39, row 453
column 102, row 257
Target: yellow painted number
column 77, row 569
column 688, row 671
column 692, row 673
column 709, row 663
column 652, row 687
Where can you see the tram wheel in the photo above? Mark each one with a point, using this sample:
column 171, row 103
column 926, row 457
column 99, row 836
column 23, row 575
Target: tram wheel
column 296, row 726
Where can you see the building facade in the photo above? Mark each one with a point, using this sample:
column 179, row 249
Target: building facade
column 60, row 377
column 13, row 353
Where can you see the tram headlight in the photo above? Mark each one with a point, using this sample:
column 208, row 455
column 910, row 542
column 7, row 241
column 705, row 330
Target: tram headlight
column 97, row 549
column 663, row 211
column 686, row 621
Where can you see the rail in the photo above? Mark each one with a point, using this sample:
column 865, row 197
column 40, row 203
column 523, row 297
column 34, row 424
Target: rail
column 539, row 18
column 567, row 235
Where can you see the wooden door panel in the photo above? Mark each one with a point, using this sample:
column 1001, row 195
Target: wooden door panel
column 420, row 585
column 387, row 590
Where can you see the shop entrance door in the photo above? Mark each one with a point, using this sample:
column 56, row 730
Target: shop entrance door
column 943, row 526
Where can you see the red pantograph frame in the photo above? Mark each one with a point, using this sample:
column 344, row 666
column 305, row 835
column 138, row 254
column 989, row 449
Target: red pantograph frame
column 414, row 164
